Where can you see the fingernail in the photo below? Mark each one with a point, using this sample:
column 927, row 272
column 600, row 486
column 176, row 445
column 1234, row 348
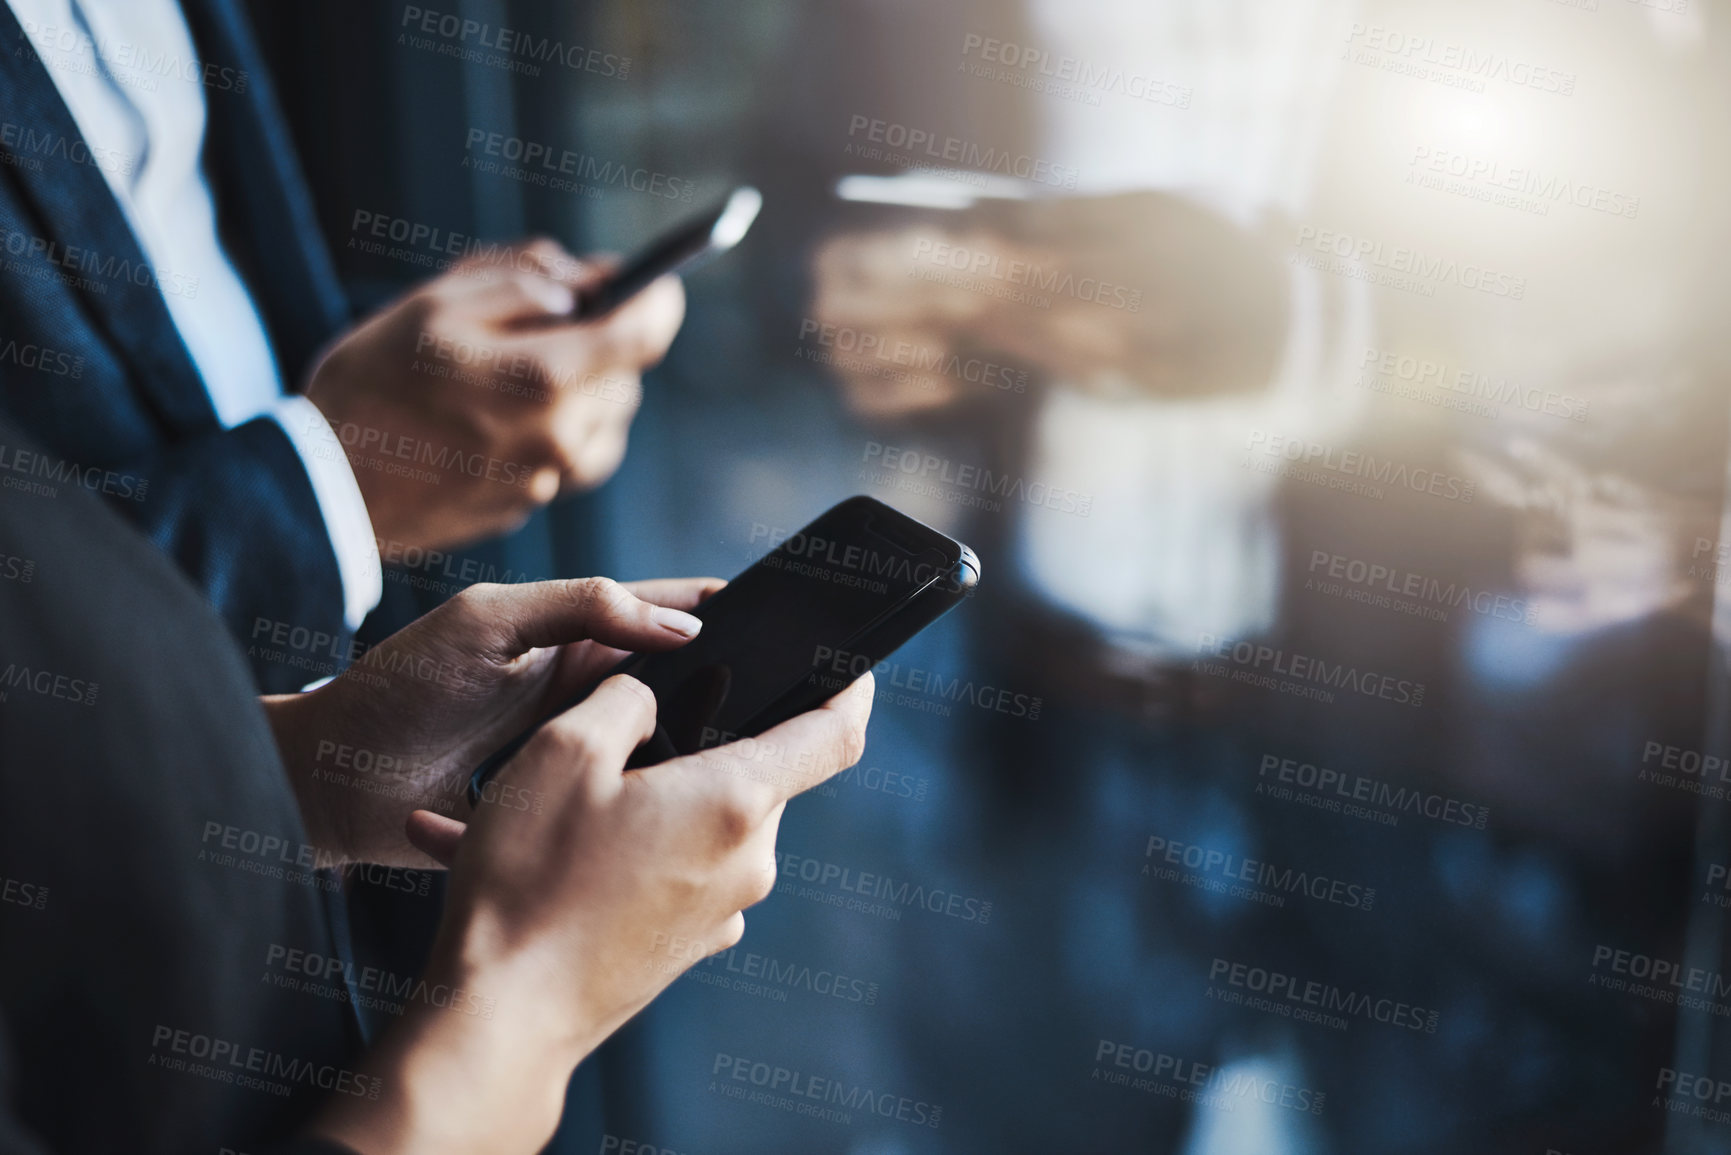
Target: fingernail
column 555, row 298
column 680, row 622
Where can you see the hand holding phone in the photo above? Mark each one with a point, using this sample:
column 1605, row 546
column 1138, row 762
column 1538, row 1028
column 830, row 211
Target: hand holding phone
column 795, row 629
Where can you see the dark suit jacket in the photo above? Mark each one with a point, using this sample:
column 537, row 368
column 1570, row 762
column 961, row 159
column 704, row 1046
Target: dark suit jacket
column 145, row 917
column 91, row 365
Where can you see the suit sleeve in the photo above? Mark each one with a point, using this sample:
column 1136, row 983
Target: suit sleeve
column 237, row 512
column 16, row 1138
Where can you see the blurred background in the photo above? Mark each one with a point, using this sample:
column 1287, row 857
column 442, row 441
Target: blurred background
column 1335, row 757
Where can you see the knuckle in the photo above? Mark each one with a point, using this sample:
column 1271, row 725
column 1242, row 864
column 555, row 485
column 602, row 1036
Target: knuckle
column 600, row 459
column 599, row 596
column 640, row 705
column 561, row 456
column 732, row 931
column 577, row 746
column 572, row 739
column 852, row 742
column 763, row 882
column 475, row 603
column 644, row 696
column 466, row 602
column 735, row 816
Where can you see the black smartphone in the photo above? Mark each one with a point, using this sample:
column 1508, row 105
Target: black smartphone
column 796, row 628
column 684, row 247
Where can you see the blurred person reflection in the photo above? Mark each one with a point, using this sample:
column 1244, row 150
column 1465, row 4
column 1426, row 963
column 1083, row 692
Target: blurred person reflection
column 1146, row 405
column 1143, row 403
column 1149, row 413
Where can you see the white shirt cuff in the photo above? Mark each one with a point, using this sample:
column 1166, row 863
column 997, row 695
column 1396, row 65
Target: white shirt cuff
column 340, row 502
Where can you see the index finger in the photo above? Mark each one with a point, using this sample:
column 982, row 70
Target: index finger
column 680, row 593
column 514, row 619
column 798, row 754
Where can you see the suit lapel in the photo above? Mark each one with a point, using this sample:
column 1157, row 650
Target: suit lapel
column 268, row 219
column 74, row 207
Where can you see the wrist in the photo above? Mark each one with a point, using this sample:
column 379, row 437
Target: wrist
column 487, row 1072
column 295, row 723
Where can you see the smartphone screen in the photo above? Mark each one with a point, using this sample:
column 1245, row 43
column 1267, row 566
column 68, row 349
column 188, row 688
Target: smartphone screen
column 794, row 629
column 800, row 625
